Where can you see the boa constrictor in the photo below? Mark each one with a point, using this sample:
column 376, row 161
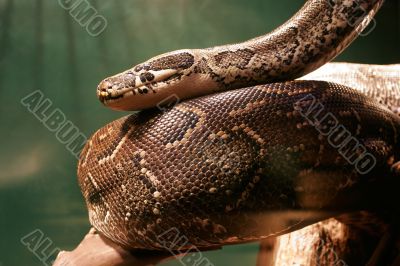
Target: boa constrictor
column 247, row 163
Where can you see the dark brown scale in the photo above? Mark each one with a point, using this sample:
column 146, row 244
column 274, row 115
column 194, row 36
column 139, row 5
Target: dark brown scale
column 202, row 67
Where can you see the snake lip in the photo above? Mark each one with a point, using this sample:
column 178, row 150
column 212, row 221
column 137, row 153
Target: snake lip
column 108, row 90
column 110, row 95
column 130, row 83
column 107, row 96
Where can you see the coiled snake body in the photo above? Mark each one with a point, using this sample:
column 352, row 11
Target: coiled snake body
column 247, row 163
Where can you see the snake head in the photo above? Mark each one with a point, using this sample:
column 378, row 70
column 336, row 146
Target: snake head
column 149, row 83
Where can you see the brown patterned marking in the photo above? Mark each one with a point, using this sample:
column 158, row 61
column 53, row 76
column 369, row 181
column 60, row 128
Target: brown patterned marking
column 177, row 123
column 249, row 107
column 279, row 91
column 221, row 134
column 246, row 192
column 93, row 181
column 250, row 132
column 117, row 148
column 97, row 201
column 200, row 121
column 239, row 58
column 106, row 134
column 202, row 67
column 89, row 149
column 357, row 116
column 144, row 170
column 174, row 61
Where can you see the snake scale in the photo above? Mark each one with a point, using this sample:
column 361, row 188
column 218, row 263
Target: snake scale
column 249, row 161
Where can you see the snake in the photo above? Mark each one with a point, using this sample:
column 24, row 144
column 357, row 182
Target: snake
column 231, row 147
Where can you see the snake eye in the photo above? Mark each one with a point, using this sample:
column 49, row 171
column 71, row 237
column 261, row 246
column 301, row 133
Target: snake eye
column 142, row 78
column 153, row 77
column 146, row 77
column 149, row 76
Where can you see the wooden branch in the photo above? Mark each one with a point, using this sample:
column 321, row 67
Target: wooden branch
column 97, row 250
column 333, row 242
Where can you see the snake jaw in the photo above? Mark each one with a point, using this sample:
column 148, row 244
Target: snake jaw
column 115, row 87
column 128, row 90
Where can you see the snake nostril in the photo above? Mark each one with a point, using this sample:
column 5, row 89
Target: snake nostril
column 104, row 85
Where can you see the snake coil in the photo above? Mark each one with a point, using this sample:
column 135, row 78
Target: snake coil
column 252, row 161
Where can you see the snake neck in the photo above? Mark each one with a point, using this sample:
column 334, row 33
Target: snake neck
column 316, row 34
column 313, row 36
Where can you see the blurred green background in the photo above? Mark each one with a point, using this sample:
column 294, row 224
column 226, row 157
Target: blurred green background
column 43, row 48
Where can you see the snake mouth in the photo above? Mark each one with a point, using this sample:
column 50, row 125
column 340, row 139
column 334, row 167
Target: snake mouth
column 107, row 93
column 128, row 84
column 109, row 90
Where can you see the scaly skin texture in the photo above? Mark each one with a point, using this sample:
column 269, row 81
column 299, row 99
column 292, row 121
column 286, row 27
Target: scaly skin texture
column 380, row 82
column 233, row 167
column 244, row 164
column 312, row 37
